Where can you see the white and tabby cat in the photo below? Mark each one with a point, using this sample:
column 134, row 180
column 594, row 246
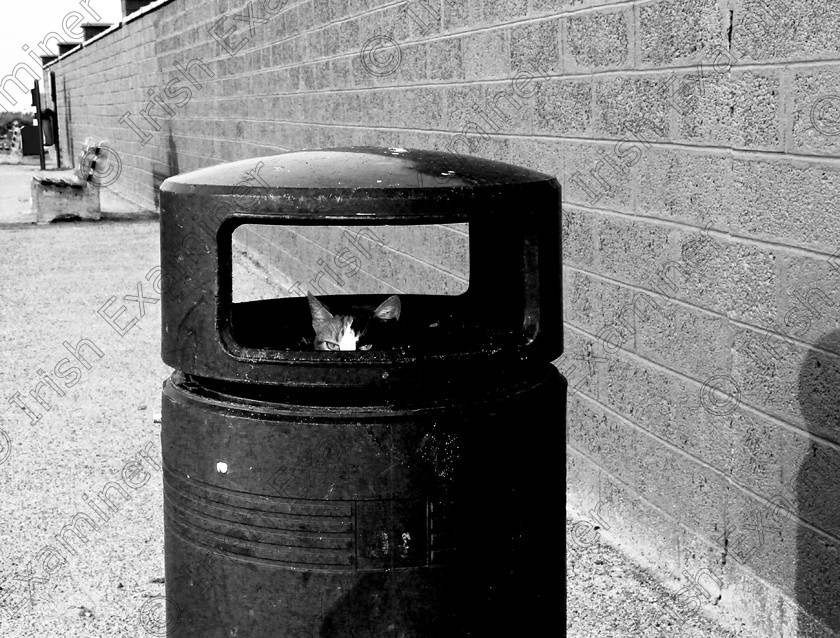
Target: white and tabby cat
column 352, row 332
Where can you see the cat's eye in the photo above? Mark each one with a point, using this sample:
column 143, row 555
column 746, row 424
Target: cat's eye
column 331, row 346
column 367, row 347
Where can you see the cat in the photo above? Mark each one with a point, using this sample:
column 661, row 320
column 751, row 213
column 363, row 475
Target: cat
column 351, row 332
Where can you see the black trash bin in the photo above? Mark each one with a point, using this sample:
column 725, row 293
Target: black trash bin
column 408, row 491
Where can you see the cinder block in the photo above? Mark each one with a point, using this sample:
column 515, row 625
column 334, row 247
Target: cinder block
column 595, row 305
column 412, row 69
column 444, row 59
column 397, row 271
column 578, row 236
column 506, row 109
column 62, row 195
column 810, row 299
column 445, row 247
column 597, row 41
column 543, row 155
column 321, row 77
column 393, row 22
column 313, row 45
column 608, row 441
column 337, row 9
column 582, row 372
column 348, row 36
column 757, row 457
column 362, row 77
column 775, row 29
column 536, row 45
column 645, row 530
column 594, row 178
column 421, row 108
column 764, row 544
column 640, row 392
column 581, row 483
column 743, row 109
column 563, row 107
column 552, row 6
column 680, row 185
column 766, row 369
column 816, row 587
column 342, row 73
column 683, row 32
column 814, row 111
column 684, row 339
column 817, row 374
column 733, row 279
column 425, row 18
column 791, row 202
column 694, row 495
column 355, row 7
column 486, row 55
column 634, row 104
column 305, row 15
column 459, row 14
column 628, row 248
column 808, row 482
column 752, row 283
column 499, row 11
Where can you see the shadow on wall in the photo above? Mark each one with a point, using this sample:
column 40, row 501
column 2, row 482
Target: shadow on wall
column 818, row 492
column 161, row 172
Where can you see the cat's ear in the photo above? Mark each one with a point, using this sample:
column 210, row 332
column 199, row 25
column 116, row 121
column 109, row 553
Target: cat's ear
column 389, row 309
column 320, row 314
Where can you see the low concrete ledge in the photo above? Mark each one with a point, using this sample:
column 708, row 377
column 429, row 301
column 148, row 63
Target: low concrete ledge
column 63, row 195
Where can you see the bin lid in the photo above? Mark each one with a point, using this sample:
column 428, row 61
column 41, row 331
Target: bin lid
column 311, row 180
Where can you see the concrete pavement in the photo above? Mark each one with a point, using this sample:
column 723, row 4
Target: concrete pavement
column 62, row 454
column 15, row 204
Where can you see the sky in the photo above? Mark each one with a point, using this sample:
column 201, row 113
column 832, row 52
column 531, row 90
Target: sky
column 28, row 27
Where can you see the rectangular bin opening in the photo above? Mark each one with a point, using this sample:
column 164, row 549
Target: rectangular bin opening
column 274, row 261
column 352, row 269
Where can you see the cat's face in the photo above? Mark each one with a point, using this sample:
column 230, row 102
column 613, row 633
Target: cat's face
column 348, row 332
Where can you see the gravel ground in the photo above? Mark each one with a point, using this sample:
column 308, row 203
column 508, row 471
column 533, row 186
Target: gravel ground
column 54, row 279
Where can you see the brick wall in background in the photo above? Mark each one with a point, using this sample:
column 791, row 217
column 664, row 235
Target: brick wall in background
column 697, row 144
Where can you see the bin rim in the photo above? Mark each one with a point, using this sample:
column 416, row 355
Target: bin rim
column 361, row 173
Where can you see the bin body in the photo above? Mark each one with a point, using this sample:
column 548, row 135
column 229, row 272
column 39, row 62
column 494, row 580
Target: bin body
column 324, row 522
column 391, row 494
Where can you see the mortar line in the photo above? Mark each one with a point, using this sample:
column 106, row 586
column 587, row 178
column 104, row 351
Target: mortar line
column 747, row 154
column 691, row 306
column 791, row 427
column 730, row 481
column 681, row 225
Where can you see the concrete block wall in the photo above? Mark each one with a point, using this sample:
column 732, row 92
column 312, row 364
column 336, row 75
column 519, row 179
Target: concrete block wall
column 697, row 144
